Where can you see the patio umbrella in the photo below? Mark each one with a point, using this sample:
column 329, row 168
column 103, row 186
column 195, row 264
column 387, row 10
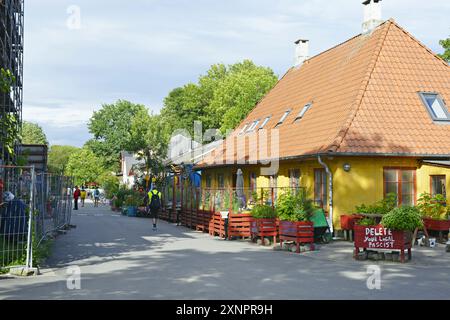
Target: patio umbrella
column 240, row 188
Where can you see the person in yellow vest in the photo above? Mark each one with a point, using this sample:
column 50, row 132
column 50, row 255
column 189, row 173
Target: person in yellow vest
column 83, row 194
column 154, row 205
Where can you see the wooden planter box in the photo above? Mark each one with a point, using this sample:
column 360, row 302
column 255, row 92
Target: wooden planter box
column 217, row 225
column 436, row 225
column 299, row 232
column 203, row 219
column 264, row 228
column 239, row 225
column 348, row 221
column 378, row 237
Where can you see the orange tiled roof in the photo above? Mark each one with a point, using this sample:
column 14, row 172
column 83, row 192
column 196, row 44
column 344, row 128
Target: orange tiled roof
column 364, row 95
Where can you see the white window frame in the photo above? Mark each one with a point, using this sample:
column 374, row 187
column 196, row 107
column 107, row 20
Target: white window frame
column 253, row 125
column 283, row 118
column 302, row 112
column 423, row 96
column 266, row 120
column 243, row 129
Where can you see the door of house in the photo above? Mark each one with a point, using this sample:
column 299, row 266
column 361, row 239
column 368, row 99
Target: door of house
column 320, row 188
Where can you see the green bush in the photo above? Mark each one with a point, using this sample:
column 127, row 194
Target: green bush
column 366, row 222
column 381, row 207
column 263, row 212
column 433, row 207
column 295, row 207
column 403, row 218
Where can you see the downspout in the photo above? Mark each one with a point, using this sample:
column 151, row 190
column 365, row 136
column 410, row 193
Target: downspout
column 330, row 187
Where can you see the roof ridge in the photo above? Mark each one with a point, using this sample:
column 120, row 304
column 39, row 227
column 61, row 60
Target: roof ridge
column 334, row 146
column 418, row 42
column 340, row 44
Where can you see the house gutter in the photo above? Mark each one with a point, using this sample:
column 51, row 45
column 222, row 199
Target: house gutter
column 330, row 187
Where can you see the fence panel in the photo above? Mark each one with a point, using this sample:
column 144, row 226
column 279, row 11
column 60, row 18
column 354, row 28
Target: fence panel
column 31, row 207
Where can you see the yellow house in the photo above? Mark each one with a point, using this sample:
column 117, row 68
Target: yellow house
column 365, row 118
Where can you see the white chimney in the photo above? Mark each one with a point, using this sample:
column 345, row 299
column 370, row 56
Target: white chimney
column 301, row 52
column 372, row 15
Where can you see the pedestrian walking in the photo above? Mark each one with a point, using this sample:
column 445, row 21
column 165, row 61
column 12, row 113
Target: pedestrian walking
column 76, row 195
column 96, row 196
column 83, row 194
column 154, row 205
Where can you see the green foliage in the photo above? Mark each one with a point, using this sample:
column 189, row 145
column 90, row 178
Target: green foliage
column 58, row 158
column 239, row 93
column 6, row 80
column 403, row 218
column 295, row 206
column 84, row 166
column 111, row 127
column 110, row 184
column 133, row 199
column 446, row 45
column 9, row 122
column 32, row 133
column 367, row 222
column 381, row 207
column 263, row 212
column 220, row 99
column 149, row 137
column 433, row 207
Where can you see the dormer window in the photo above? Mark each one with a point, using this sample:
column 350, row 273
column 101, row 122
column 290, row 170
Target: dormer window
column 285, row 115
column 302, row 112
column 435, row 106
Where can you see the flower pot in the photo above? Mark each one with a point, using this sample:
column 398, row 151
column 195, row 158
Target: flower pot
column 436, row 225
column 261, row 228
column 239, row 225
column 132, row 211
column 300, row 232
column 380, row 238
column 348, row 221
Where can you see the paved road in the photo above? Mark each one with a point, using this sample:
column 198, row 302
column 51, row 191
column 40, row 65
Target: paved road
column 122, row 258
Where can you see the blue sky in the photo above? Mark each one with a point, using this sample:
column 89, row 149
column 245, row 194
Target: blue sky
column 139, row 50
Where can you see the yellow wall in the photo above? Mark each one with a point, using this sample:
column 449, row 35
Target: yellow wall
column 363, row 184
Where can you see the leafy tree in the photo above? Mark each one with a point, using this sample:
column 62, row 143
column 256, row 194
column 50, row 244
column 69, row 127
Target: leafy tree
column 84, row 166
column 9, row 122
column 221, row 99
column 150, row 138
column 58, row 158
column 446, row 45
column 32, row 133
column 242, row 89
column 111, row 127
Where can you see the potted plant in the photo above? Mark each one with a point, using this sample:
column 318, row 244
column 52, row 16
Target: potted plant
column 294, row 212
column 132, row 201
column 264, row 223
column 239, row 223
column 394, row 233
column 435, row 212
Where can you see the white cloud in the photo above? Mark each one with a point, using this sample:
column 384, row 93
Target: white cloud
column 140, row 51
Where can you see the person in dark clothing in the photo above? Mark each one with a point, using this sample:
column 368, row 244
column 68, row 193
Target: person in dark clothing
column 154, row 205
column 76, row 196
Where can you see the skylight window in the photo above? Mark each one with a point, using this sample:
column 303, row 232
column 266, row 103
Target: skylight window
column 253, row 126
column 302, row 112
column 243, row 129
column 435, row 106
column 264, row 123
column 285, row 115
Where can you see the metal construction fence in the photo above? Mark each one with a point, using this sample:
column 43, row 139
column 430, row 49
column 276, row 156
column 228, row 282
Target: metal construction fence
column 32, row 206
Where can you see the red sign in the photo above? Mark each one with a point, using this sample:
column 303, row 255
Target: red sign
column 378, row 237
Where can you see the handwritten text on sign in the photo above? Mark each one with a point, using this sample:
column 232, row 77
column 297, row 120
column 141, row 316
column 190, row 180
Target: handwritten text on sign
column 379, row 238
